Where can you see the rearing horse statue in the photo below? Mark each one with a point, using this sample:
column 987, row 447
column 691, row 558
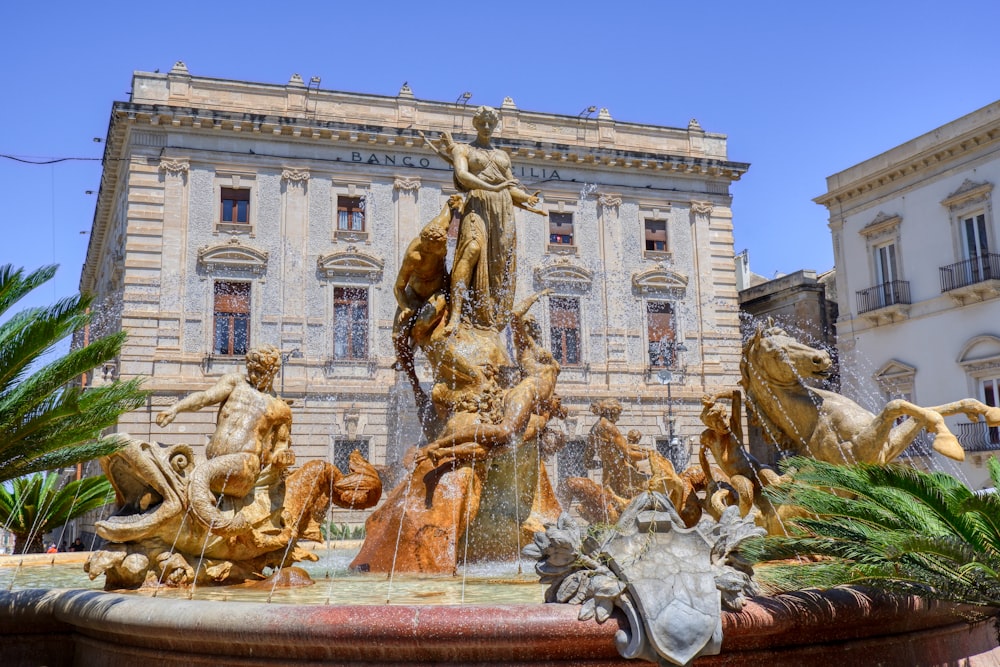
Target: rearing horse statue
column 830, row 427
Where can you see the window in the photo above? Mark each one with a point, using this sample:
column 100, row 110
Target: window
column 342, row 452
column 991, row 397
column 232, row 318
column 560, row 228
column 674, row 450
column 564, row 317
column 350, row 323
column 236, row 205
column 885, row 264
column 975, row 248
column 351, row 214
column 656, row 235
column 661, row 333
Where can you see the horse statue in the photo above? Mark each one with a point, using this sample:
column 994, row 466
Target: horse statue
column 830, row 427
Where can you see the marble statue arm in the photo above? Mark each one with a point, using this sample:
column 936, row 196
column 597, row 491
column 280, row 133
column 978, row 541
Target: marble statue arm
column 200, row 399
column 403, row 278
column 525, row 201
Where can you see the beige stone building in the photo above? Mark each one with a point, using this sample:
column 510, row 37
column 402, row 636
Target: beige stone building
column 233, row 214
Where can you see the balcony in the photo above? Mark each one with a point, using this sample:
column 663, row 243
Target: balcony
column 885, row 303
column 978, row 437
column 975, row 279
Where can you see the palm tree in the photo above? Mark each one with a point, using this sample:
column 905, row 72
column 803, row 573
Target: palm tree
column 890, row 527
column 33, row 505
column 46, row 422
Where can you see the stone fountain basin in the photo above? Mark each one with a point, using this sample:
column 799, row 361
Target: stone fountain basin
column 836, row 628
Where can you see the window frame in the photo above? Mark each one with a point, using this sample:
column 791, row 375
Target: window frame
column 662, row 361
column 351, row 329
column 561, row 351
column 230, row 317
column 235, row 181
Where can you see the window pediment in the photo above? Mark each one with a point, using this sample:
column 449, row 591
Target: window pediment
column 981, row 353
column 883, row 225
column 969, row 192
column 564, row 273
column 234, row 256
column 660, row 281
column 350, row 262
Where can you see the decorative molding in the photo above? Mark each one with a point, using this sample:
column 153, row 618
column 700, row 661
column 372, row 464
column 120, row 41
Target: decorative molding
column 609, row 200
column 968, row 193
column 234, row 256
column 702, row 207
column 980, row 354
column 295, row 175
column 660, row 281
column 175, row 166
column 350, row 262
column 563, row 273
column 406, row 184
column 895, row 377
column 883, row 225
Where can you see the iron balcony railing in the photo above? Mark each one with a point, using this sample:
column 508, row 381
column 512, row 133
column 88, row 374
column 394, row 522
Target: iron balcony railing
column 971, row 271
column 978, row 437
column 884, row 295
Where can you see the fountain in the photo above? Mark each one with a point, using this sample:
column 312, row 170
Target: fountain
column 661, row 575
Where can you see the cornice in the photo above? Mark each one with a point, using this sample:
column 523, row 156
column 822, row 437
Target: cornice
column 968, row 193
column 914, row 167
column 342, row 132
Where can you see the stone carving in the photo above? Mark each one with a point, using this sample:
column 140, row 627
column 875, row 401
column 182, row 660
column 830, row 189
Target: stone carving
column 406, row 184
column 175, row 167
column 295, row 175
column 609, row 201
column 814, row 422
column 702, row 207
column 226, row 517
column 671, row 582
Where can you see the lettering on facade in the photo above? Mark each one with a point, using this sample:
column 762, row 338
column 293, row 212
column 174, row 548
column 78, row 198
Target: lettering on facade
column 389, row 160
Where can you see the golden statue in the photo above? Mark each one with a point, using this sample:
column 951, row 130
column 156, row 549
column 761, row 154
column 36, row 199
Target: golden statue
column 485, row 266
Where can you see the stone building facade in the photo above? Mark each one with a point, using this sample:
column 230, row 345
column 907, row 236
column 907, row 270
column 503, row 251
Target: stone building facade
column 915, row 241
column 233, row 214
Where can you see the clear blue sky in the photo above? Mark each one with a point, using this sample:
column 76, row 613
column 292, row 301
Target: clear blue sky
column 802, row 89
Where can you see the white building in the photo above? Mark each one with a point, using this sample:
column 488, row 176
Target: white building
column 233, row 214
column 915, row 244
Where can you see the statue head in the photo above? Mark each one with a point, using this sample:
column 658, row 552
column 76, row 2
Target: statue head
column 486, row 119
column 609, row 408
column 633, row 436
column 263, row 364
column 434, row 234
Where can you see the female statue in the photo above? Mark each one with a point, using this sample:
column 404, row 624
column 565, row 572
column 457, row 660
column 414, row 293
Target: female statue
column 484, row 272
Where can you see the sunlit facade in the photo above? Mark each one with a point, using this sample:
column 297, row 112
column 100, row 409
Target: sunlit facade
column 233, row 214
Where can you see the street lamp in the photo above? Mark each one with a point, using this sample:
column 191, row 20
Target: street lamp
column 665, row 352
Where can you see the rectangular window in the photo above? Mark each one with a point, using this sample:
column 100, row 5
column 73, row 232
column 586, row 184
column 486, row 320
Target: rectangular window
column 561, row 228
column 675, row 451
column 232, row 318
column 661, row 333
column 350, row 323
column 976, row 248
column 564, row 317
column 236, row 205
column 885, row 264
column 351, row 214
column 656, row 235
column 342, row 452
